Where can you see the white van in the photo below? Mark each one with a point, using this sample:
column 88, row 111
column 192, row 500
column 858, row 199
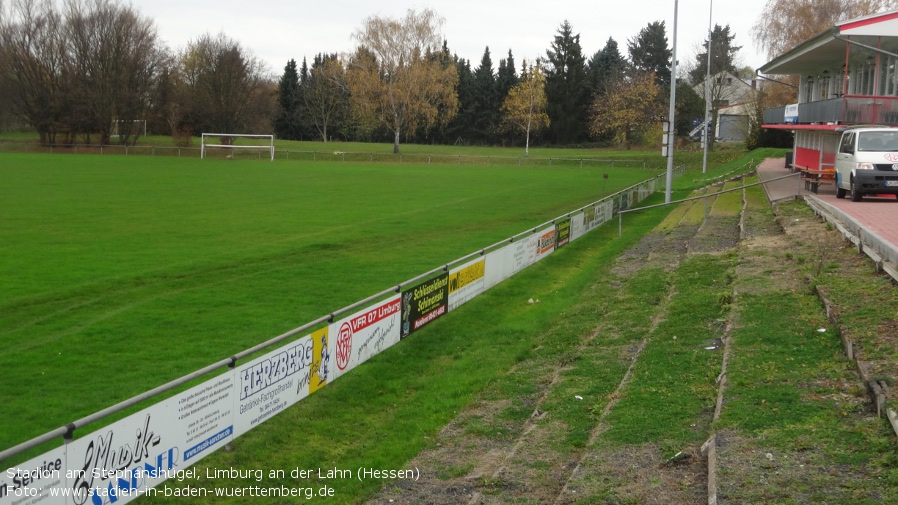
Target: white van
column 867, row 162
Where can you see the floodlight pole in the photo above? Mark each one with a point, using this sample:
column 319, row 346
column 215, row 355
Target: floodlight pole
column 673, row 102
column 707, row 94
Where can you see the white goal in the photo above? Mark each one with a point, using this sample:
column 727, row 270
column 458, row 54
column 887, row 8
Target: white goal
column 257, row 146
column 134, row 127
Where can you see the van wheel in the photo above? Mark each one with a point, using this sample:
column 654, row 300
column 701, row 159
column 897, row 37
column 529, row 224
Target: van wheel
column 840, row 192
column 856, row 195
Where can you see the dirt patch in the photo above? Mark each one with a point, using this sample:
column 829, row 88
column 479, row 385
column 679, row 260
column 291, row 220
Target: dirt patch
column 717, row 234
column 638, row 474
column 751, row 472
column 656, row 250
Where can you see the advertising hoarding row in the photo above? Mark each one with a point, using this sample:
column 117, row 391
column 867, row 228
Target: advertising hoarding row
column 121, row 461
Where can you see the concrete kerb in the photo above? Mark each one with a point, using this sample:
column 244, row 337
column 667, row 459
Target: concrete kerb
column 878, row 390
column 884, row 255
column 881, row 251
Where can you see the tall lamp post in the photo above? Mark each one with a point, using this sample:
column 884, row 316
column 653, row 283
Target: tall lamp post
column 707, row 94
column 673, row 102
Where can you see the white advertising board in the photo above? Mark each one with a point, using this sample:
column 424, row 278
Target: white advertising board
column 578, row 226
column 365, row 334
column 120, row 462
column 466, row 282
column 39, row 480
column 279, row 379
column 497, row 268
column 521, row 254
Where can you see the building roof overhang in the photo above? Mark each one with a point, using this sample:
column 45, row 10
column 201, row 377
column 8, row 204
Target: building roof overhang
column 822, row 51
column 792, row 126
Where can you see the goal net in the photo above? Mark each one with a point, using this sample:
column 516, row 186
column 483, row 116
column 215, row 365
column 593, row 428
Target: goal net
column 228, row 144
column 128, row 128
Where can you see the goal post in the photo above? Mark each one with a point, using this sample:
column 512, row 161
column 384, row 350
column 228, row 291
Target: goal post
column 136, row 127
column 260, row 147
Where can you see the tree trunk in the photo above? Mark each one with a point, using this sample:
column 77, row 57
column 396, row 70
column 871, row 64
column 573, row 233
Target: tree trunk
column 396, row 142
column 527, row 142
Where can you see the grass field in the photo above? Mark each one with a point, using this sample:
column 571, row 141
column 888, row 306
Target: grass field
column 123, row 269
column 121, row 273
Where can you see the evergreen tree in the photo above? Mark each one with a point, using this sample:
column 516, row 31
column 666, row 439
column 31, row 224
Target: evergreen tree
column 723, row 54
column 566, row 87
column 286, row 124
column 605, row 66
column 306, row 124
column 485, row 103
column 649, row 53
column 459, row 129
column 506, row 77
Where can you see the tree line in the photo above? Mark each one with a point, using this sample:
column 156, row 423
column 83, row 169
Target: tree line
column 89, row 69
column 559, row 99
column 86, row 70
column 83, row 72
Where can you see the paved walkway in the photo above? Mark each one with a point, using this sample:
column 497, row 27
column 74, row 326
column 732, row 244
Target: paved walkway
column 874, row 220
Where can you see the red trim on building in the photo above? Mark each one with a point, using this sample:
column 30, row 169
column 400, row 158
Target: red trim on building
column 869, row 21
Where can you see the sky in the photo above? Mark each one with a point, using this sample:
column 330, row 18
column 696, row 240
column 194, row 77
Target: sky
column 277, row 30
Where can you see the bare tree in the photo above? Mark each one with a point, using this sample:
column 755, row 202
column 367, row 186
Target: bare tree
column 396, row 77
column 31, row 63
column 784, row 24
column 77, row 71
column 325, row 94
column 226, row 87
column 112, row 62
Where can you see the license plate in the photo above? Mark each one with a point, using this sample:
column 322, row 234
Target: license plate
column 891, row 183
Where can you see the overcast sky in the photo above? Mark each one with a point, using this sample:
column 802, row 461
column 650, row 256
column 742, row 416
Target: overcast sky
column 278, row 30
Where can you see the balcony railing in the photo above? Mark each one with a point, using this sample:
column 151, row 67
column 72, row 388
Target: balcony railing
column 844, row 110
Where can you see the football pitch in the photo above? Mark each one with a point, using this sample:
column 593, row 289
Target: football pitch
column 122, row 273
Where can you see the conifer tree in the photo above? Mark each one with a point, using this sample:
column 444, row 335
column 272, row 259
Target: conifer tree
column 485, row 103
column 605, row 66
column 649, row 53
column 506, row 77
column 566, row 87
column 723, row 55
column 460, row 128
column 286, row 124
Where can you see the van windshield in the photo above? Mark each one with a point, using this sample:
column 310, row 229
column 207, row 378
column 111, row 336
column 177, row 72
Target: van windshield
column 878, row 141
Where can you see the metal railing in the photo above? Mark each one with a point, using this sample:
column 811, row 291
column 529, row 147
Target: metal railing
column 852, row 109
column 67, row 431
column 723, row 178
column 336, row 155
